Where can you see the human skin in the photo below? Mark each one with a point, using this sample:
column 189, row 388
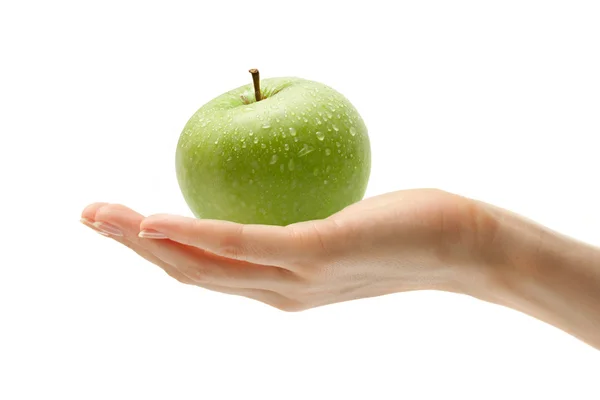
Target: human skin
column 423, row 239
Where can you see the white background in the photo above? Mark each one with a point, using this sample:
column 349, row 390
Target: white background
column 494, row 100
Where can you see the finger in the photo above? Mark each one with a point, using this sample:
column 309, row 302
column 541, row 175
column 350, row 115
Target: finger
column 192, row 262
column 88, row 215
column 129, row 224
column 265, row 296
column 169, row 269
column 268, row 297
column 89, row 212
column 261, row 244
column 128, row 220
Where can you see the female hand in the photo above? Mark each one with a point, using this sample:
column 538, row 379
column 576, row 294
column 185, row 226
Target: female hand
column 406, row 240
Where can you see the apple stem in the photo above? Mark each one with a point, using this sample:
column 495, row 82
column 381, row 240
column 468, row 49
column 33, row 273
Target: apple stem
column 256, row 80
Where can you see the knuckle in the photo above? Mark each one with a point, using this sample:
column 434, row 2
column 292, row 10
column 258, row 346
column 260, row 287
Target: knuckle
column 200, row 274
column 231, row 251
column 179, row 278
column 313, row 237
column 232, row 245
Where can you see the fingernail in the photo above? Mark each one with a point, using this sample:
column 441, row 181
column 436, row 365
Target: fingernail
column 107, row 228
column 87, row 222
column 90, row 224
column 151, row 234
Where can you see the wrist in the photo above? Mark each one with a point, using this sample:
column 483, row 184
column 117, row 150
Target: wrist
column 543, row 274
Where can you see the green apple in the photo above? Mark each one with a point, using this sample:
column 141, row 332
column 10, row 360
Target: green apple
column 281, row 151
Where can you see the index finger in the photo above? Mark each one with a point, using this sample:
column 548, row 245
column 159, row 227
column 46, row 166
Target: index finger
column 283, row 246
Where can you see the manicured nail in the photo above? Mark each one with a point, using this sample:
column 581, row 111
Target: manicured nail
column 151, row 234
column 90, row 224
column 107, row 228
column 87, row 222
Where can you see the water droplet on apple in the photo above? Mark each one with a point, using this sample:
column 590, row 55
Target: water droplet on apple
column 305, row 120
column 266, row 126
column 283, row 134
column 264, row 146
column 286, row 146
column 217, row 141
column 316, row 171
column 273, row 159
column 329, row 115
column 327, row 152
column 251, row 133
column 291, row 164
column 255, row 140
column 320, row 135
column 298, row 118
column 335, row 128
column 248, row 109
column 293, row 113
column 338, row 144
column 353, row 131
column 292, row 132
column 306, row 149
column 203, row 124
column 243, row 145
column 295, row 139
column 318, row 121
column 325, row 181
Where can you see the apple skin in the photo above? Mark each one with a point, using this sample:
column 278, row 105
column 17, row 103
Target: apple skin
column 301, row 153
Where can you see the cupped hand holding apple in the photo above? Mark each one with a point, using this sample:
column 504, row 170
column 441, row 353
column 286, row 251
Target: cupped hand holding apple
column 275, row 172
column 385, row 244
column 276, row 183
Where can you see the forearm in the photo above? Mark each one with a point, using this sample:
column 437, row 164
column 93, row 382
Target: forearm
column 546, row 275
